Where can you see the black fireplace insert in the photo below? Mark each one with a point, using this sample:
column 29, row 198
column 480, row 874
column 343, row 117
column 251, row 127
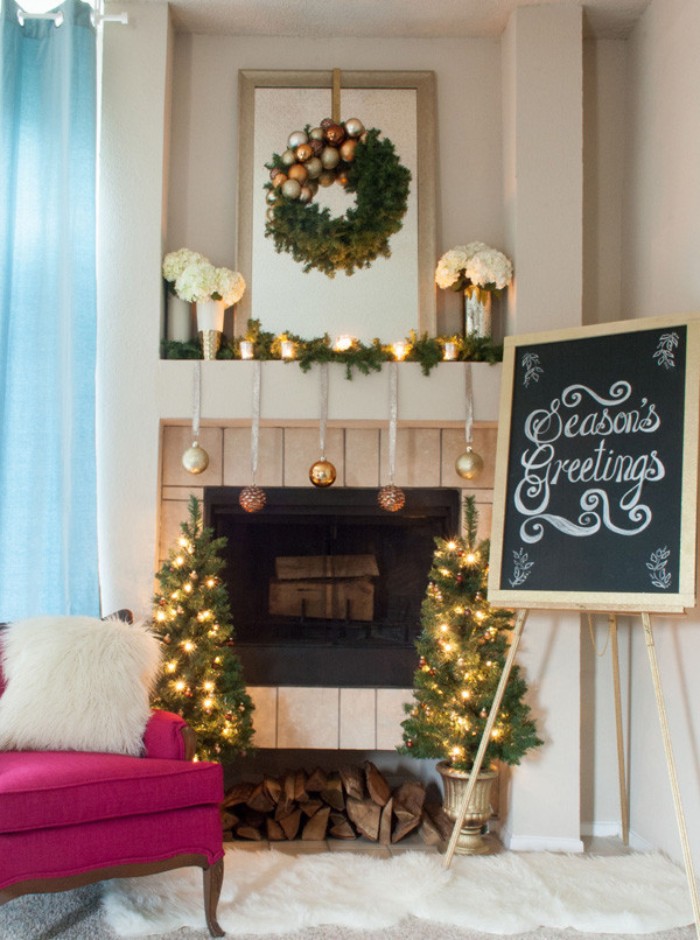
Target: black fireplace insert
column 325, row 586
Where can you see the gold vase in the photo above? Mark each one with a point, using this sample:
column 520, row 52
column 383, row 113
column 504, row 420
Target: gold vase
column 455, row 782
column 210, row 324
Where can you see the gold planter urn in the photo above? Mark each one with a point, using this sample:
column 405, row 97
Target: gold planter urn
column 455, row 782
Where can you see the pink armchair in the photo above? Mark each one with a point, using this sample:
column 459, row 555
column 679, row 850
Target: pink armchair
column 70, row 818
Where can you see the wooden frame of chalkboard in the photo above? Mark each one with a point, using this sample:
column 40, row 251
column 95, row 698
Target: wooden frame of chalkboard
column 595, row 499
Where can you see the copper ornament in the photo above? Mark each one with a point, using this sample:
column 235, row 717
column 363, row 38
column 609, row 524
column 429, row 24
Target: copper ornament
column 392, row 498
column 322, row 473
column 252, row 498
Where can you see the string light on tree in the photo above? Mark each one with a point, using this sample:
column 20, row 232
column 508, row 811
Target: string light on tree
column 462, row 649
column 203, row 674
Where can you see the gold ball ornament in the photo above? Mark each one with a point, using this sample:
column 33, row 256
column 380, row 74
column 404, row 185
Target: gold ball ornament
column 195, row 459
column 252, row 498
column 392, row 498
column 354, row 127
column 322, row 473
column 469, row 464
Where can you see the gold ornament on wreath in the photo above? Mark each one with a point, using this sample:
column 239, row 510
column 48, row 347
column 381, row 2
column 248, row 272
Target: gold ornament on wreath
column 359, row 161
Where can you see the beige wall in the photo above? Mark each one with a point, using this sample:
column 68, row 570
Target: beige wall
column 662, row 275
column 484, row 148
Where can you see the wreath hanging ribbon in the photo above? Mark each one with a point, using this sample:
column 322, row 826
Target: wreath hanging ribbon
column 361, row 162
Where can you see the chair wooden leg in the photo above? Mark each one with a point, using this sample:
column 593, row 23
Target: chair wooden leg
column 213, row 879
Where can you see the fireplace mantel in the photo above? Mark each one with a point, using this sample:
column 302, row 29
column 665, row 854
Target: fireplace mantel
column 290, row 395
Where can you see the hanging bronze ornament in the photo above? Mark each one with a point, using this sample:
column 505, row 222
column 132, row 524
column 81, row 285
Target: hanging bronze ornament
column 196, row 459
column 469, row 464
column 390, row 497
column 253, row 498
column 322, row 473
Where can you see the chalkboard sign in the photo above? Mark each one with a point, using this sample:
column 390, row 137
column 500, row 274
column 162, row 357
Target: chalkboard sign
column 596, row 481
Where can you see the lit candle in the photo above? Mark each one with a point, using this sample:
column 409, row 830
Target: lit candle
column 287, row 349
column 247, row 349
column 449, row 353
column 343, row 343
column 400, row 350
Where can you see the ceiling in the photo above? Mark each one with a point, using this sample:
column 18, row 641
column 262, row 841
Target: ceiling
column 418, row 19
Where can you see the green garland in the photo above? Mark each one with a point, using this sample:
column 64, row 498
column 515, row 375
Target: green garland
column 365, row 358
column 317, row 240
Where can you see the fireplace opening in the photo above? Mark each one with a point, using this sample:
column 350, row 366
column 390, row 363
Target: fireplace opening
column 325, row 586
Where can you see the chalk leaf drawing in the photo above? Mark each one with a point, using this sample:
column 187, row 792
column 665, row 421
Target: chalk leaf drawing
column 664, row 351
column 521, row 568
column 657, row 568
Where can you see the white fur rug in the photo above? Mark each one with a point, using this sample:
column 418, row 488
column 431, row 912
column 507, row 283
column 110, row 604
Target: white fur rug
column 268, row 892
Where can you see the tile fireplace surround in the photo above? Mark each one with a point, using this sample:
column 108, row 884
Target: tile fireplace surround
column 322, row 717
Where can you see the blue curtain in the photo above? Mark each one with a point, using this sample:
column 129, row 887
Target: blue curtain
column 48, row 527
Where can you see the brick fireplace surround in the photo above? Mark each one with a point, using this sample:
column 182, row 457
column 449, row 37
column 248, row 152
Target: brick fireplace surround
column 316, row 717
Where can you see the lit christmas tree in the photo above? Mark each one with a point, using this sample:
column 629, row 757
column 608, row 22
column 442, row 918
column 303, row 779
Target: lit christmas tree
column 202, row 677
column 462, row 648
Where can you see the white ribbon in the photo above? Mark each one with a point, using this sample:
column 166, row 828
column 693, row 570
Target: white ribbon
column 469, row 396
column 393, row 416
column 196, row 399
column 255, row 423
column 323, row 422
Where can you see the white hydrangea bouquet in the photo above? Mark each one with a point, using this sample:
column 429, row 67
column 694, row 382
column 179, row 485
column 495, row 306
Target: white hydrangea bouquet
column 194, row 278
column 473, row 269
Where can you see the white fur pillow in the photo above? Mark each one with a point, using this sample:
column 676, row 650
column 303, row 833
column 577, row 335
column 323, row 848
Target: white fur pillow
column 76, row 684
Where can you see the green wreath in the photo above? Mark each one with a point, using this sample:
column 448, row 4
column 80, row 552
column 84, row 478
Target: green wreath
column 367, row 167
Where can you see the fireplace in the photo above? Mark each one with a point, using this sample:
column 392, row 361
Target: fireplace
column 325, row 586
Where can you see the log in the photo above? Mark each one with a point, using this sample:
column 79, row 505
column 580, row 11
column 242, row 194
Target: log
column 259, row 800
column 408, row 808
column 340, row 828
column 228, row 820
column 273, row 788
column 290, row 824
column 439, row 818
column 300, row 794
column 353, row 781
column 385, row 823
column 379, row 790
column 275, row 833
column 310, row 807
column 351, row 598
column 332, row 794
column 238, row 793
column 298, row 567
column 365, row 815
column 315, row 828
column 249, row 832
column 428, row 831
column 317, row 781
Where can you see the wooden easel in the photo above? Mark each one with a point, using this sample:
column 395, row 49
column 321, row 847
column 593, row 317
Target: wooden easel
column 665, row 732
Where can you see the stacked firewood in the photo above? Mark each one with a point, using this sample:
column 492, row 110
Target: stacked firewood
column 356, row 801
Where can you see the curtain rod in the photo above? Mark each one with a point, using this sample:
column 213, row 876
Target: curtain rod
column 57, row 17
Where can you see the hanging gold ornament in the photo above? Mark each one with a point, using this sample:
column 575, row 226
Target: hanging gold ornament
column 392, row 498
column 252, row 498
column 322, row 473
column 469, row 464
column 195, row 459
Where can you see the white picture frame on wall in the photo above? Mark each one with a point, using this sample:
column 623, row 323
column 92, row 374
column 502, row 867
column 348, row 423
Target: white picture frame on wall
column 394, row 294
